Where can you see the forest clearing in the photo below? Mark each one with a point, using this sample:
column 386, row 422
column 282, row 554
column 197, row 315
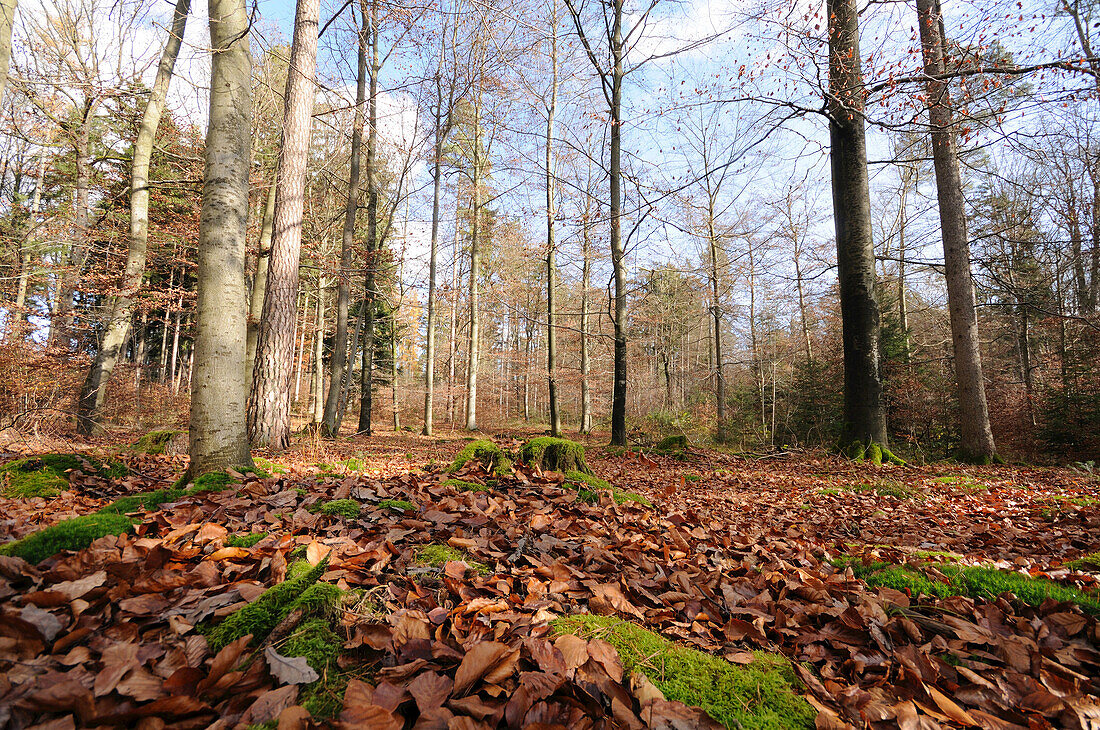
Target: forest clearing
column 434, row 593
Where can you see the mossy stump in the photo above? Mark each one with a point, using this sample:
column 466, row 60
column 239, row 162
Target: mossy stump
column 489, row 455
column 554, row 454
column 673, row 444
column 875, row 453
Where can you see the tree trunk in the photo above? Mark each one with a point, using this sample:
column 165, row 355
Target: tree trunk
column 452, row 342
column 475, row 235
column 94, row 390
column 586, row 273
column 722, row 432
column 551, row 245
column 7, row 20
column 618, row 264
column 433, row 258
column 864, row 411
column 903, row 306
column 366, row 381
column 977, row 437
column 259, row 281
column 218, row 432
column 331, row 426
column 318, row 379
column 269, row 404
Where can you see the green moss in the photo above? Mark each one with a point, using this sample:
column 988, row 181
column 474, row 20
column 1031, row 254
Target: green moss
column 760, row 695
column 437, row 556
column 398, row 504
column 830, row 491
column 262, row 615
column 75, row 534
column 554, row 454
column 582, row 479
column 346, row 508
column 1086, row 562
column 319, row 598
column 143, row 501
column 269, row 466
column 875, row 453
column 974, row 581
column 466, row 486
column 153, row 442
column 888, row 488
column 678, row 442
column 589, row 486
column 352, row 463
column 315, row 640
column 491, row 456
column 47, row 475
column 692, row 477
column 246, row 540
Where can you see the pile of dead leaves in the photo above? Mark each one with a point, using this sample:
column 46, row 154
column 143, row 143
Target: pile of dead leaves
column 110, row 636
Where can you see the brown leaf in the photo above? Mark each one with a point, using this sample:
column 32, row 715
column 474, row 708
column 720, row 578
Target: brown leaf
column 229, row 553
column 118, row 659
column 479, row 660
column 574, row 650
column 430, row 690
column 294, row 717
column 270, row 705
column 316, row 552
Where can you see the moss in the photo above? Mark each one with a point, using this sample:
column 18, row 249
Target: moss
column 1086, row 562
column 47, row 475
column 875, row 453
column 319, row 598
column 830, row 491
column 262, row 615
column 692, row 477
column 760, row 695
column 975, row 582
column 269, row 466
column 888, row 488
column 398, row 504
column 437, row 556
column 246, row 540
column 491, row 457
column 153, row 442
column 589, row 487
column 466, row 486
column 678, row 442
column 346, row 508
column 352, row 463
column 75, row 534
column 143, row 501
column 554, row 454
column 315, row 640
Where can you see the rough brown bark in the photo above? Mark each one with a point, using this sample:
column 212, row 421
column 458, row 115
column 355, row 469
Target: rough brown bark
column 269, row 403
column 366, row 379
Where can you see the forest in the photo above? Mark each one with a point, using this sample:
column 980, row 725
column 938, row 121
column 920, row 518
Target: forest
column 549, row 363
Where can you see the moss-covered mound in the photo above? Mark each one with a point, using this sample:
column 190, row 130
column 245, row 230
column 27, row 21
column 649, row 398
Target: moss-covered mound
column 155, row 442
column 47, row 475
column 143, row 501
column 466, row 486
column 758, row 695
column 491, row 457
column 554, row 454
column 75, row 534
column 970, row 580
column 675, row 443
column 245, row 540
column 262, row 615
column 872, row 452
column 436, row 556
column 589, row 486
column 347, row 508
column 400, row 505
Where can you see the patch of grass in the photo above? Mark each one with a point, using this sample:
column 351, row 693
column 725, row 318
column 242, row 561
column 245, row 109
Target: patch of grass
column 269, row 466
column 436, row 556
column 761, row 695
column 491, row 456
column 554, row 454
column 1077, row 501
column 75, row 534
column 692, row 477
column 400, row 505
column 973, row 581
column 352, row 463
column 262, row 615
column 466, row 486
column 245, row 540
column 347, row 508
column 830, row 491
column 143, row 501
column 1085, row 562
column 47, row 475
column 153, row 442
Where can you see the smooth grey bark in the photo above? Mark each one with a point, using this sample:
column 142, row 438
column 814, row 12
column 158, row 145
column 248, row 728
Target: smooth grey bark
column 722, row 431
column 317, row 383
column 121, row 308
column 269, row 402
column 330, row 426
column 366, row 375
column 864, row 410
column 586, row 274
column 259, row 280
column 551, row 244
column 474, row 350
column 7, row 20
column 976, row 443
column 218, row 433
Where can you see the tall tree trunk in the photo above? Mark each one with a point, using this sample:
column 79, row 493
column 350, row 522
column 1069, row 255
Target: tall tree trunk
column 174, row 361
column 722, row 433
column 318, row 380
column 259, row 281
column 586, row 273
column 473, row 352
column 618, row 263
column 864, row 411
column 7, row 20
column 366, row 381
column 903, row 306
column 551, row 245
column 218, row 432
column 269, row 403
column 977, row 436
column 452, row 342
column 94, row 390
column 331, row 425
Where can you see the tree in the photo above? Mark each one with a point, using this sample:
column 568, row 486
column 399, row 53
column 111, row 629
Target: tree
column 864, row 411
column 121, row 308
column 976, row 434
column 551, row 245
column 366, row 374
column 269, row 402
column 218, row 432
column 7, row 19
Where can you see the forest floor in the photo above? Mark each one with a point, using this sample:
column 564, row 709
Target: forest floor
column 912, row 597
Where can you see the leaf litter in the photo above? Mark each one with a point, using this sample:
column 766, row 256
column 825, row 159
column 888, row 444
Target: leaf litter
column 742, row 557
